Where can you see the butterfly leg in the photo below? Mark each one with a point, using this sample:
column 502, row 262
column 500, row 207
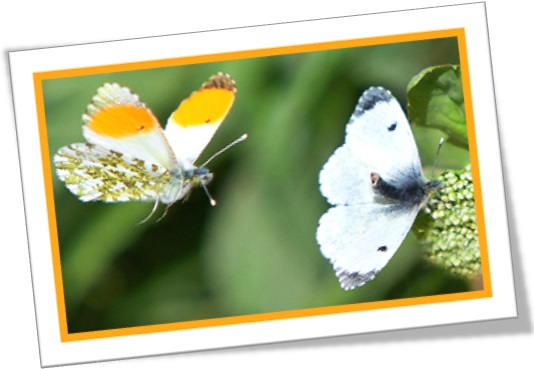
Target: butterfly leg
column 152, row 213
column 164, row 213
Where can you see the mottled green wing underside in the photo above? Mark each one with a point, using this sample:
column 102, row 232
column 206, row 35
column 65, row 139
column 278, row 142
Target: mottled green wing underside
column 94, row 173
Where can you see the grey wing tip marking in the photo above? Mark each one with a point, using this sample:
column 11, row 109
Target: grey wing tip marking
column 370, row 97
column 349, row 281
column 110, row 94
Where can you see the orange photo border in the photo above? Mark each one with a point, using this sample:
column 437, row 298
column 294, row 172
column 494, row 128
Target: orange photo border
column 39, row 77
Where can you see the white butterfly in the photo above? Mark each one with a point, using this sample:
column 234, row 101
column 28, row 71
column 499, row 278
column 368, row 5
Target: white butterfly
column 376, row 186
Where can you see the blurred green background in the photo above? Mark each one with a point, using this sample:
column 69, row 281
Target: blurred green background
column 255, row 251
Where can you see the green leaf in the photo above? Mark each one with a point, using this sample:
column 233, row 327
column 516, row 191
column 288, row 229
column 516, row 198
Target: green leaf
column 436, row 100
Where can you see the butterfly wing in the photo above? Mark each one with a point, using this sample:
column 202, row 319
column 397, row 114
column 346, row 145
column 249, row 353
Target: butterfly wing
column 93, row 173
column 378, row 140
column 380, row 132
column 197, row 118
column 359, row 240
column 117, row 120
column 346, row 180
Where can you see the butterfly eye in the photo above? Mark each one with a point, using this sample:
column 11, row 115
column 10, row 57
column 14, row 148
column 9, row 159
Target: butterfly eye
column 375, row 177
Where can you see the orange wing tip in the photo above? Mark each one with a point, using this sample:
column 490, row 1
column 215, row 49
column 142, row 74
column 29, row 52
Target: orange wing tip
column 116, row 111
column 208, row 105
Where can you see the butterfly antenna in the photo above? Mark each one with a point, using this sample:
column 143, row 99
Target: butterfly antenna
column 212, row 200
column 441, row 141
column 236, row 141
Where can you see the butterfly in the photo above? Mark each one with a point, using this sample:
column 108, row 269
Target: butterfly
column 130, row 157
column 376, row 187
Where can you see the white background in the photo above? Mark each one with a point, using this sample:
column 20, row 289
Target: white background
column 54, row 23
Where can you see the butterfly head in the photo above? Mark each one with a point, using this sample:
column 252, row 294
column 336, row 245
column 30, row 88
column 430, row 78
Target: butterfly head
column 198, row 176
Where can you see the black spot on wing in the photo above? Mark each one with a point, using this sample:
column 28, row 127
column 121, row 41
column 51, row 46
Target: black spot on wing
column 370, row 98
column 382, row 248
column 392, row 127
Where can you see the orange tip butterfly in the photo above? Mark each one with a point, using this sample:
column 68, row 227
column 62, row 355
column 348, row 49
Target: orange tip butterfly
column 130, row 157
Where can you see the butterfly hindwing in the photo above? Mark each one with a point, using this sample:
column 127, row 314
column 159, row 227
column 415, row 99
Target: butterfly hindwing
column 359, row 240
column 93, row 173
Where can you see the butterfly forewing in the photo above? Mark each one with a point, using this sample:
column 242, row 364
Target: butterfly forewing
column 342, row 179
column 197, row 118
column 379, row 135
column 116, row 119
